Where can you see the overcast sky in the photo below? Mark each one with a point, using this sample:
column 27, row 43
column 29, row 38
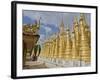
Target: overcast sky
column 50, row 21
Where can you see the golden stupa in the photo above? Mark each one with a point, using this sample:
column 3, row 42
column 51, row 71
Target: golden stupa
column 67, row 45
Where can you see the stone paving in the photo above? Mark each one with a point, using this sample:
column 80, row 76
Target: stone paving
column 34, row 65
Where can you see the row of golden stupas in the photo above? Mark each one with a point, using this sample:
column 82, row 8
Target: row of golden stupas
column 67, row 45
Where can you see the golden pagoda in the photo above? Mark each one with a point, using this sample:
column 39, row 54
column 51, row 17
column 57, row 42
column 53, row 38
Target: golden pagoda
column 74, row 47
column 61, row 40
column 52, row 47
column 70, row 46
column 56, row 53
column 67, row 45
column 84, row 42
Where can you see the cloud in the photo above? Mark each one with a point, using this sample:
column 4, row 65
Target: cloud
column 42, row 36
column 47, row 29
column 28, row 20
column 52, row 20
column 31, row 14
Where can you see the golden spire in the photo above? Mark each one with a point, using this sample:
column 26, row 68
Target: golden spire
column 67, row 28
column 82, row 16
column 82, row 19
column 73, row 40
column 75, row 24
column 67, row 31
column 61, row 26
column 75, row 21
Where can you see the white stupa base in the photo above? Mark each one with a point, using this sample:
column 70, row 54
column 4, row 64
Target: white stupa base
column 53, row 62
